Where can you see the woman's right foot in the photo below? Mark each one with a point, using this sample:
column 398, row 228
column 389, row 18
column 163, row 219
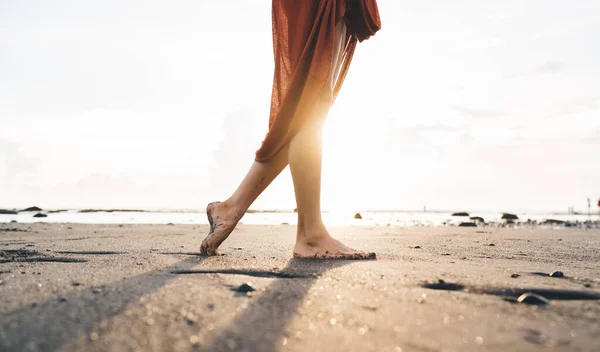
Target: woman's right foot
column 222, row 220
column 326, row 247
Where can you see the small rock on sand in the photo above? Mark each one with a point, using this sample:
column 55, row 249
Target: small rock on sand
column 514, row 276
column 534, row 299
column 40, row 215
column 244, row 288
column 358, row 216
column 557, row 274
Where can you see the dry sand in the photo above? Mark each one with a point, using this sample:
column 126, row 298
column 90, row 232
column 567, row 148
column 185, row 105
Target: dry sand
column 129, row 288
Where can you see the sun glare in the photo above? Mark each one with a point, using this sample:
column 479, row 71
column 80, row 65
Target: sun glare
column 345, row 150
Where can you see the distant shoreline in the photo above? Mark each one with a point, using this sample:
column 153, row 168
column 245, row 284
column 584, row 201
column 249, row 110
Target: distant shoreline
column 289, row 217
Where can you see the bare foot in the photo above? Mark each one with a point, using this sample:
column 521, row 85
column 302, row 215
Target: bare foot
column 328, row 248
column 222, row 221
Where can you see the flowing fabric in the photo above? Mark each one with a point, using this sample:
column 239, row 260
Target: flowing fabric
column 308, row 73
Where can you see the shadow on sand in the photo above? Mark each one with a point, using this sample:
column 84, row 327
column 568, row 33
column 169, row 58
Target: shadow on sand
column 47, row 326
column 262, row 326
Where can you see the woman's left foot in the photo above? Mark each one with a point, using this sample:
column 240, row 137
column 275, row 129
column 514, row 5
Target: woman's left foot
column 222, row 221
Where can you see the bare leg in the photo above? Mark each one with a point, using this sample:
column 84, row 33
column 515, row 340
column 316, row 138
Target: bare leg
column 224, row 216
column 304, row 154
column 305, row 158
column 312, row 239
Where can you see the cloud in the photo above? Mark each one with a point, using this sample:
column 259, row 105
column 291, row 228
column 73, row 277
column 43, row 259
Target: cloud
column 241, row 133
column 16, row 162
column 579, row 106
column 594, row 138
column 92, row 190
column 425, row 139
column 548, row 67
column 98, row 181
column 501, row 16
column 466, row 138
column 436, row 127
column 419, row 133
column 477, row 113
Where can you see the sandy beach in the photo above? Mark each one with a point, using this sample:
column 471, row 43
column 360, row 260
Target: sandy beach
column 73, row 287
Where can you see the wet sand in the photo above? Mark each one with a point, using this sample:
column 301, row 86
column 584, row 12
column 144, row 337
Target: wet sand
column 142, row 287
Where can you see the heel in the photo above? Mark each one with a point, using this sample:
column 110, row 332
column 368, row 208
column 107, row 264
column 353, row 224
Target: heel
column 209, row 208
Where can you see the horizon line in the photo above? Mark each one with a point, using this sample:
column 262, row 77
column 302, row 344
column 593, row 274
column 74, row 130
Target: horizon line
column 290, row 210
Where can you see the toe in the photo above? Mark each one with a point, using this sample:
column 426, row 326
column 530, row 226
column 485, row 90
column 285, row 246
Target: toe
column 206, row 250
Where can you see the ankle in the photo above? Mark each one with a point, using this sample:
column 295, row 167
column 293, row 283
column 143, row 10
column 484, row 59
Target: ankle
column 233, row 208
column 311, row 234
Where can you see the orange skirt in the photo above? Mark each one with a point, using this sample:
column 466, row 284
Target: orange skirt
column 313, row 42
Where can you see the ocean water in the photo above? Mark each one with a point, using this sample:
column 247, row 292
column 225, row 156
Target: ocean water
column 384, row 218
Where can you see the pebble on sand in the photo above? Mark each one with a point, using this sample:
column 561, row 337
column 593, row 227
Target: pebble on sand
column 557, row 274
column 534, row 299
column 40, row 215
column 358, row 216
column 244, row 288
column 514, row 276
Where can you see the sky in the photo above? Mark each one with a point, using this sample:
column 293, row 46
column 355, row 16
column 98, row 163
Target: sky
column 462, row 105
